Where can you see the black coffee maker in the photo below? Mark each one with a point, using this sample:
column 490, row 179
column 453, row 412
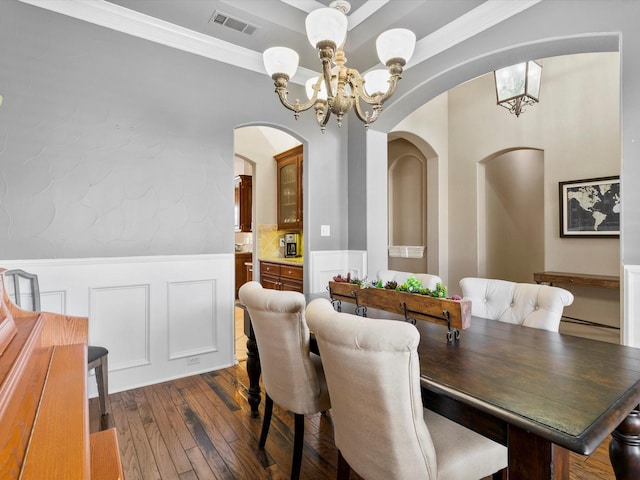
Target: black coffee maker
column 292, row 245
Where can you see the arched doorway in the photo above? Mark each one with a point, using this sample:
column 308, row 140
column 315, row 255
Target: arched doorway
column 254, row 149
column 510, row 189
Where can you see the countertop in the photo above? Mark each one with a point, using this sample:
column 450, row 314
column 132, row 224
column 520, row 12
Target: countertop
column 298, row 261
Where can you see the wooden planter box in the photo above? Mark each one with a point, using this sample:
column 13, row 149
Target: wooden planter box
column 454, row 313
column 343, row 291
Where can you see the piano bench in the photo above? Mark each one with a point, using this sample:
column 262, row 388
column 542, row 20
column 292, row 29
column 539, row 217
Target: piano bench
column 105, row 456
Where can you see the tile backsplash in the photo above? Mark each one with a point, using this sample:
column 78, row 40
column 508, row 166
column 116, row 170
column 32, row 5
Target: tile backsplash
column 269, row 241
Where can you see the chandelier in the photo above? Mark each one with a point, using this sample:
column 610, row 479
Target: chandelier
column 518, row 86
column 339, row 88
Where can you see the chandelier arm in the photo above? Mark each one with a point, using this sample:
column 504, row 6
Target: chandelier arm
column 393, row 83
column 364, row 116
column 323, row 112
column 280, row 82
column 326, row 75
column 357, row 84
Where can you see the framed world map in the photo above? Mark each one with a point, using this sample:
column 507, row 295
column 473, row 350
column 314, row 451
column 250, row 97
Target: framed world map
column 590, row 207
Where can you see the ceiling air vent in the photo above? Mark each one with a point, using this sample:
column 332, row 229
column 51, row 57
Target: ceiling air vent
column 232, row 23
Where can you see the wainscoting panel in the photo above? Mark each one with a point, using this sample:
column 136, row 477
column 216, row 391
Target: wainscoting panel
column 631, row 324
column 53, row 301
column 160, row 317
column 192, row 319
column 114, row 310
column 324, row 265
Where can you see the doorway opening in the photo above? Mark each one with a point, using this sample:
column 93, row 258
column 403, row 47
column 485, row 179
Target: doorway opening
column 256, row 146
column 511, row 215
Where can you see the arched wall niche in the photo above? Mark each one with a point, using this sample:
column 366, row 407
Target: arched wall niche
column 407, row 193
column 432, row 214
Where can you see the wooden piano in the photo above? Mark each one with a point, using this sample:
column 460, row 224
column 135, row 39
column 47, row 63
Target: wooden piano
column 44, row 412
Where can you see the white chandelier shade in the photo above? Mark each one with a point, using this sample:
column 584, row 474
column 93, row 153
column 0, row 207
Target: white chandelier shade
column 326, row 25
column 376, row 81
column 322, row 94
column 395, row 43
column 280, row 60
column 338, row 88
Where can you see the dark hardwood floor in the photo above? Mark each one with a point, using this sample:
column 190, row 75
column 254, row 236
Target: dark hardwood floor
column 200, row 427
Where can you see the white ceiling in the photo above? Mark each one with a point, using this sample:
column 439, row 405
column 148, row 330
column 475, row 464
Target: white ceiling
column 188, row 25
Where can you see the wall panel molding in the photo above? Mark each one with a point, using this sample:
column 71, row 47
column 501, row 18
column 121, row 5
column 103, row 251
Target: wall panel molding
column 631, row 285
column 117, row 309
column 192, row 318
column 324, row 265
column 160, row 317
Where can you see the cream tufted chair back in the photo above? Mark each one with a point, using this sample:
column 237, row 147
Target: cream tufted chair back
column 380, row 427
column 428, row 280
column 527, row 304
column 292, row 376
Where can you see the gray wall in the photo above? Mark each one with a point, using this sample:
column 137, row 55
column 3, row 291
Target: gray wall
column 115, row 146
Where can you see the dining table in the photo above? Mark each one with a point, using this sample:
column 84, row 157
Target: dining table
column 540, row 393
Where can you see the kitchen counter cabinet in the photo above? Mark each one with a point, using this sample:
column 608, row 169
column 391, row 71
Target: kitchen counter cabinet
column 241, row 269
column 243, row 198
column 281, row 276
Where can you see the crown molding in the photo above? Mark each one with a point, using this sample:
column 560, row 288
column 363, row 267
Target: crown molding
column 481, row 18
column 121, row 19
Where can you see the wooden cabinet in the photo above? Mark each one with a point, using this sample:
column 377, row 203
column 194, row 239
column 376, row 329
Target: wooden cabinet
column 243, row 198
column 281, row 277
column 289, row 189
column 241, row 269
column 249, row 268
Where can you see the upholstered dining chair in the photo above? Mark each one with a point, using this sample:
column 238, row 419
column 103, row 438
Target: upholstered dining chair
column 292, row 376
column 24, row 290
column 380, row 427
column 526, row 304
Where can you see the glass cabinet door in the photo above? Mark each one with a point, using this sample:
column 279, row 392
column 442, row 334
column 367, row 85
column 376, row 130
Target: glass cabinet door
column 288, row 194
column 290, row 189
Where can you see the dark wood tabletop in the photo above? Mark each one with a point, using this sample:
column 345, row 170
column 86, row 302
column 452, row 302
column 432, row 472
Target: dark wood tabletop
column 564, row 383
column 559, row 389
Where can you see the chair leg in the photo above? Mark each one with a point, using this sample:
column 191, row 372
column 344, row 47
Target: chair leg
column 500, row 475
column 266, row 421
column 344, row 470
column 298, row 443
column 102, row 378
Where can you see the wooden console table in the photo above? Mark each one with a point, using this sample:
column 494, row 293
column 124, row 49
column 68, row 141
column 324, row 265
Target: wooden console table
column 578, row 279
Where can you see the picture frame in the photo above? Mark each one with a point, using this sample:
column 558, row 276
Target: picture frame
column 590, row 208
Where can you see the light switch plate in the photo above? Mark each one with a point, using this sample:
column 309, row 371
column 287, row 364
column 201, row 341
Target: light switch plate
column 325, row 230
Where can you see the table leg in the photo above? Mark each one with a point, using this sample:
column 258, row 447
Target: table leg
column 624, row 448
column 533, row 457
column 253, row 366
